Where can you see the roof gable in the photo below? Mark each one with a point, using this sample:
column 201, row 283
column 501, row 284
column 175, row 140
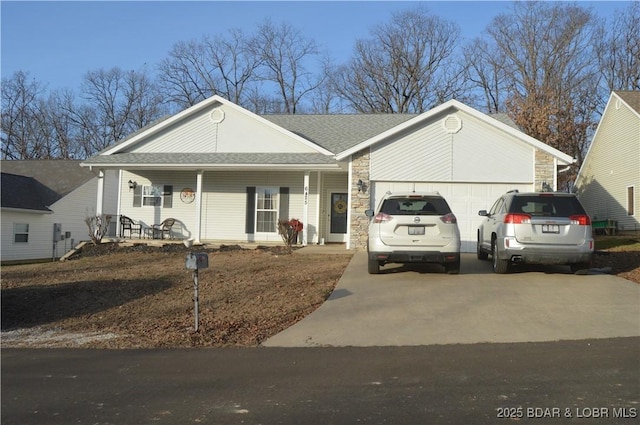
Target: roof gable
column 623, row 107
column 215, row 125
column 440, row 112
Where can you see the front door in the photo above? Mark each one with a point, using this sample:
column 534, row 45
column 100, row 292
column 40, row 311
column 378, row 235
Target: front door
column 338, row 217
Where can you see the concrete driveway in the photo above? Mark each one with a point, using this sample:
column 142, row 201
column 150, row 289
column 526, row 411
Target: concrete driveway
column 424, row 306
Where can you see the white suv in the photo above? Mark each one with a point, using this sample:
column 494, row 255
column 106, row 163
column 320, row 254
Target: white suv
column 412, row 227
column 536, row 228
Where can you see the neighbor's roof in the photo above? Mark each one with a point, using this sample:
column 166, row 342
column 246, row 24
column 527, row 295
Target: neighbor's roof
column 37, row 184
column 25, row 193
column 631, row 98
column 60, row 175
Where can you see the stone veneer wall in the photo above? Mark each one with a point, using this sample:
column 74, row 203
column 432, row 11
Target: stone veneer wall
column 544, row 171
column 360, row 201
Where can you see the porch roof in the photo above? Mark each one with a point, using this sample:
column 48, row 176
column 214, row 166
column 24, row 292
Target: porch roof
column 234, row 160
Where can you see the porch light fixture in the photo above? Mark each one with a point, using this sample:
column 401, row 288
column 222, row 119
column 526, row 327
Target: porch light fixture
column 132, row 185
column 362, row 187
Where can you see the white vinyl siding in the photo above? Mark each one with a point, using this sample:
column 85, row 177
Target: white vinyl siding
column 433, row 154
column 238, row 132
column 183, row 212
column 225, row 206
column 465, row 200
column 70, row 212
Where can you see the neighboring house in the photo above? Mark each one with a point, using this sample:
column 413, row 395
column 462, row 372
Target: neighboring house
column 40, row 195
column 227, row 174
column 608, row 183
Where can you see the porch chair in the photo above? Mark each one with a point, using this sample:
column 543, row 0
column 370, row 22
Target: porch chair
column 163, row 228
column 127, row 224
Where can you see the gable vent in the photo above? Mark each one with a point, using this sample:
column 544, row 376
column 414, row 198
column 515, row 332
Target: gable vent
column 217, row 116
column 452, row 124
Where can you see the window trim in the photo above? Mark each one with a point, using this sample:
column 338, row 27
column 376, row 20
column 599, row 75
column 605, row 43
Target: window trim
column 16, row 233
column 274, row 209
column 163, row 192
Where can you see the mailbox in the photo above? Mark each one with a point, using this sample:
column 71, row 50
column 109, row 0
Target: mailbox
column 197, row 261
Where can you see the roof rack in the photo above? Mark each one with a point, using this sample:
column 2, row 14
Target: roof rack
column 514, row 191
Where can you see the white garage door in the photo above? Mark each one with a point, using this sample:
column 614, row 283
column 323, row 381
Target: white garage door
column 465, row 199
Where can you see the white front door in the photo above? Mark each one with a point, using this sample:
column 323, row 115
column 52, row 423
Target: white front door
column 337, row 217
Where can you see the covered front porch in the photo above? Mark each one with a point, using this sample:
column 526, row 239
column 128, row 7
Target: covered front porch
column 222, row 206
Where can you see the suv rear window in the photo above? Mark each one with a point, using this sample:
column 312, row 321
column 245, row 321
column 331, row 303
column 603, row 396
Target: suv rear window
column 415, row 206
column 547, row 206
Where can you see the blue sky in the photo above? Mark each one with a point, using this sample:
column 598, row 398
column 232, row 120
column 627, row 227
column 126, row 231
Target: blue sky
column 58, row 42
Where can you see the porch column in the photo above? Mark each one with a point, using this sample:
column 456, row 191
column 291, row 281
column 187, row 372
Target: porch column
column 100, row 194
column 198, row 232
column 305, row 209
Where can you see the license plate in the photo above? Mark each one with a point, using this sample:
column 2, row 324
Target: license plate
column 416, row 230
column 550, row 228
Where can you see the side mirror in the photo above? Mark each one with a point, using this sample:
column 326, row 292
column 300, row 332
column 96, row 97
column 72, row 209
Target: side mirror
column 483, row 213
column 369, row 213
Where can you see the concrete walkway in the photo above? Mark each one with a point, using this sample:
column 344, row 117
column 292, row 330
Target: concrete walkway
column 422, row 306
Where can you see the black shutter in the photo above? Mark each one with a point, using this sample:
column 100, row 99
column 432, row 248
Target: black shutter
column 283, row 213
column 137, row 196
column 249, row 226
column 167, row 195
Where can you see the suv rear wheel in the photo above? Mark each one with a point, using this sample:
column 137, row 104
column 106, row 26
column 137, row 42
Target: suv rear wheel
column 500, row 266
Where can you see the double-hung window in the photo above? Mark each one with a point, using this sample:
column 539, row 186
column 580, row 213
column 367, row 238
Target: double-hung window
column 153, row 195
column 20, row 232
column 266, row 209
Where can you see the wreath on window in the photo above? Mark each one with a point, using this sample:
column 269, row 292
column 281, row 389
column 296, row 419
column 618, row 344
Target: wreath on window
column 340, row 206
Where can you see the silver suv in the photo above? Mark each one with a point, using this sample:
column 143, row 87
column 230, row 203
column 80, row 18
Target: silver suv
column 412, row 227
column 536, row 228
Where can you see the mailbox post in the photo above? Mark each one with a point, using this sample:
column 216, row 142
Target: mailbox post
column 196, row 261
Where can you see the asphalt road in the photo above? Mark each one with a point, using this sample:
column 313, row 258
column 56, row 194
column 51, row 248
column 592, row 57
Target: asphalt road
column 593, row 381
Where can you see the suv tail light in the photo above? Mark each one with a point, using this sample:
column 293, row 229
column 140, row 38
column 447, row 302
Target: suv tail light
column 382, row 218
column 517, row 218
column 449, row 219
column 580, row 219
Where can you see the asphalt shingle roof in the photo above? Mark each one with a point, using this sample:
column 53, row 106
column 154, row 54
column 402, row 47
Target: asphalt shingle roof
column 36, row 184
column 27, row 193
column 212, row 158
column 632, row 98
column 338, row 133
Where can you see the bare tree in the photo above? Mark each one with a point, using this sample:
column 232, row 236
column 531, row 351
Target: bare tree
column 486, row 71
column 618, row 50
column 22, row 118
column 548, row 71
column 283, row 53
column 195, row 71
column 407, row 66
column 117, row 103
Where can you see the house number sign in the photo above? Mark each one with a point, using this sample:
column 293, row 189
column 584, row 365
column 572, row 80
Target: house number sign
column 187, row 195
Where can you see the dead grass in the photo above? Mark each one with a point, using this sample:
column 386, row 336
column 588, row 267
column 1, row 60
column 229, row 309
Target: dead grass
column 142, row 297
